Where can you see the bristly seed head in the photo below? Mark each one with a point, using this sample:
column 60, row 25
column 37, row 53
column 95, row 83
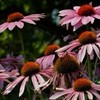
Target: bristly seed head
column 30, row 68
column 66, row 64
column 86, row 10
column 15, row 17
column 51, row 49
column 82, row 84
column 87, row 37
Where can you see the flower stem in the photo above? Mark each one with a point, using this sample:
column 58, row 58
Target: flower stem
column 95, row 64
column 89, row 67
column 22, row 44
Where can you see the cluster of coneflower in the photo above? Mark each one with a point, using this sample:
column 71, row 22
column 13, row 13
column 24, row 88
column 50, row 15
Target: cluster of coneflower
column 70, row 72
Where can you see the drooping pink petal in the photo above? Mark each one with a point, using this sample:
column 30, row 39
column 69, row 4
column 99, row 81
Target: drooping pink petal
column 90, row 96
column 96, row 50
column 78, row 25
column 22, row 87
column 75, row 20
column 89, row 49
column 85, row 20
column 81, row 96
column 3, row 27
column 35, row 82
column 19, row 24
column 70, row 95
column 82, row 53
column 95, row 93
column 91, row 19
column 59, row 94
column 75, row 97
column 4, row 75
column 97, row 7
column 11, row 85
column 11, row 26
column 35, row 16
column 40, row 78
column 96, row 16
column 96, row 87
column 28, row 21
column 66, row 12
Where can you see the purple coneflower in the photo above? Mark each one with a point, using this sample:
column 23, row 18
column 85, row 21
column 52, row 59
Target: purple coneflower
column 49, row 56
column 33, row 71
column 88, row 42
column 18, row 19
column 81, row 15
column 82, row 88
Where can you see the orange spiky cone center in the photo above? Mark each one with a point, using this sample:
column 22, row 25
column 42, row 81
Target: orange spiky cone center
column 51, row 49
column 14, row 17
column 82, row 84
column 66, row 64
column 86, row 10
column 30, row 68
column 87, row 37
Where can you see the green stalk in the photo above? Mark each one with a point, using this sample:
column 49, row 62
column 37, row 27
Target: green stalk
column 22, row 44
column 89, row 67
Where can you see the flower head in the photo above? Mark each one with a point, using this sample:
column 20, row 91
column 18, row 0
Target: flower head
column 87, row 43
column 18, row 19
column 81, row 88
column 33, row 71
column 81, row 15
column 49, row 56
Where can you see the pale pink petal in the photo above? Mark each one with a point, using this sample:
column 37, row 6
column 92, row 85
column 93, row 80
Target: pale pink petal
column 96, row 94
column 96, row 16
column 11, row 26
column 96, row 87
column 82, row 53
column 97, row 7
column 4, row 75
column 40, row 78
column 96, row 50
column 91, row 19
column 28, row 21
column 75, row 20
column 3, row 27
column 75, row 97
column 66, row 12
column 98, row 44
column 66, row 19
column 70, row 95
column 11, row 86
column 76, row 8
column 89, row 49
column 22, row 87
column 85, row 20
column 48, row 61
column 20, row 24
column 78, row 25
column 81, row 96
column 35, row 82
column 90, row 96
column 1, row 68
column 59, row 94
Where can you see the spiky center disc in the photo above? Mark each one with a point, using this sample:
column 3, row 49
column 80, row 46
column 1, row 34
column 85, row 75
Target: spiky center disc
column 51, row 49
column 87, row 37
column 30, row 68
column 15, row 17
column 86, row 10
column 66, row 64
column 82, row 84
